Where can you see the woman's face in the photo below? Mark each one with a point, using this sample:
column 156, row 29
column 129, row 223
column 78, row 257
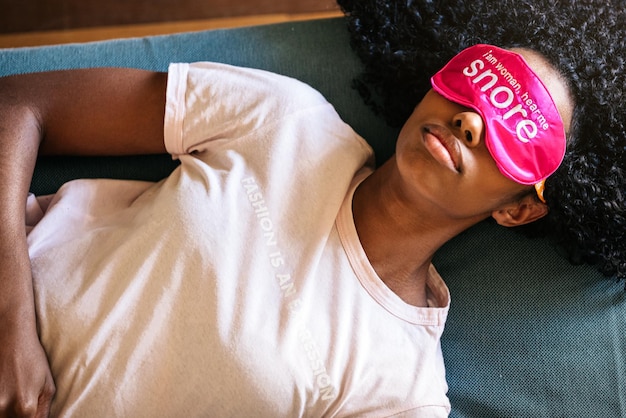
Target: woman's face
column 442, row 156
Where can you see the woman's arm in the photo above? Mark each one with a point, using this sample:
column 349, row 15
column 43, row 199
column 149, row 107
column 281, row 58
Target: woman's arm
column 100, row 111
column 78, row 112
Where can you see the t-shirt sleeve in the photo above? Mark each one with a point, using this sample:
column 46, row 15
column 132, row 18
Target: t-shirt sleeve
column 212, row 101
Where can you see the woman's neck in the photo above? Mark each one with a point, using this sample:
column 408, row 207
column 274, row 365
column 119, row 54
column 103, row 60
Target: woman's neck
column 399, row 236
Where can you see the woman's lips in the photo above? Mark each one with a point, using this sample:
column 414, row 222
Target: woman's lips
column 443, row 146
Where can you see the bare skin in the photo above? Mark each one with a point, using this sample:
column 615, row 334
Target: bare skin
column 403, row 212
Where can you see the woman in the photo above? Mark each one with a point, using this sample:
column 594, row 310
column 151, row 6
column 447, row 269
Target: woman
column 127, row 273
column 406, row 199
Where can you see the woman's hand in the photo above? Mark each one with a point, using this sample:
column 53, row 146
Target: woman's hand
column 26, row 384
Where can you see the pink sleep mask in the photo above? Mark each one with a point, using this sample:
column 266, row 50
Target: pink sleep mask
column 523, row 129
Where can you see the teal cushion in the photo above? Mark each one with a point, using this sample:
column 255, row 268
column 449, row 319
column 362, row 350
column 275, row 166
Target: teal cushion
column 528, row 335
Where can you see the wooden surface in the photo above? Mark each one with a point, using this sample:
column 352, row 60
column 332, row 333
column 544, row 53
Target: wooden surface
column 12, row 40
column 17, row 16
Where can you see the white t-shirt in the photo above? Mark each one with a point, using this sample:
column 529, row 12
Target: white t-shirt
column 237, row 286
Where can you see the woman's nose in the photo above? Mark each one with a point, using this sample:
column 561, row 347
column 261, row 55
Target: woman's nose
column 469, row 127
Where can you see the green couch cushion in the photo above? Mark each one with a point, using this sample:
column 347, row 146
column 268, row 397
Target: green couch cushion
column 528, row 335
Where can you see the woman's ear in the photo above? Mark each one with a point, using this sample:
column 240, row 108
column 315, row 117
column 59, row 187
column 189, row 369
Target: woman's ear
column 524, row 211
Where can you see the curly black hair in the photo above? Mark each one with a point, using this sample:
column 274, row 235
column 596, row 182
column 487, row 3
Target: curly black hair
column 403, row 43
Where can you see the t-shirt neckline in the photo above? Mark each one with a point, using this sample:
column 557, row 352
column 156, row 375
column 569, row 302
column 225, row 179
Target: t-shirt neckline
column 373, row 284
